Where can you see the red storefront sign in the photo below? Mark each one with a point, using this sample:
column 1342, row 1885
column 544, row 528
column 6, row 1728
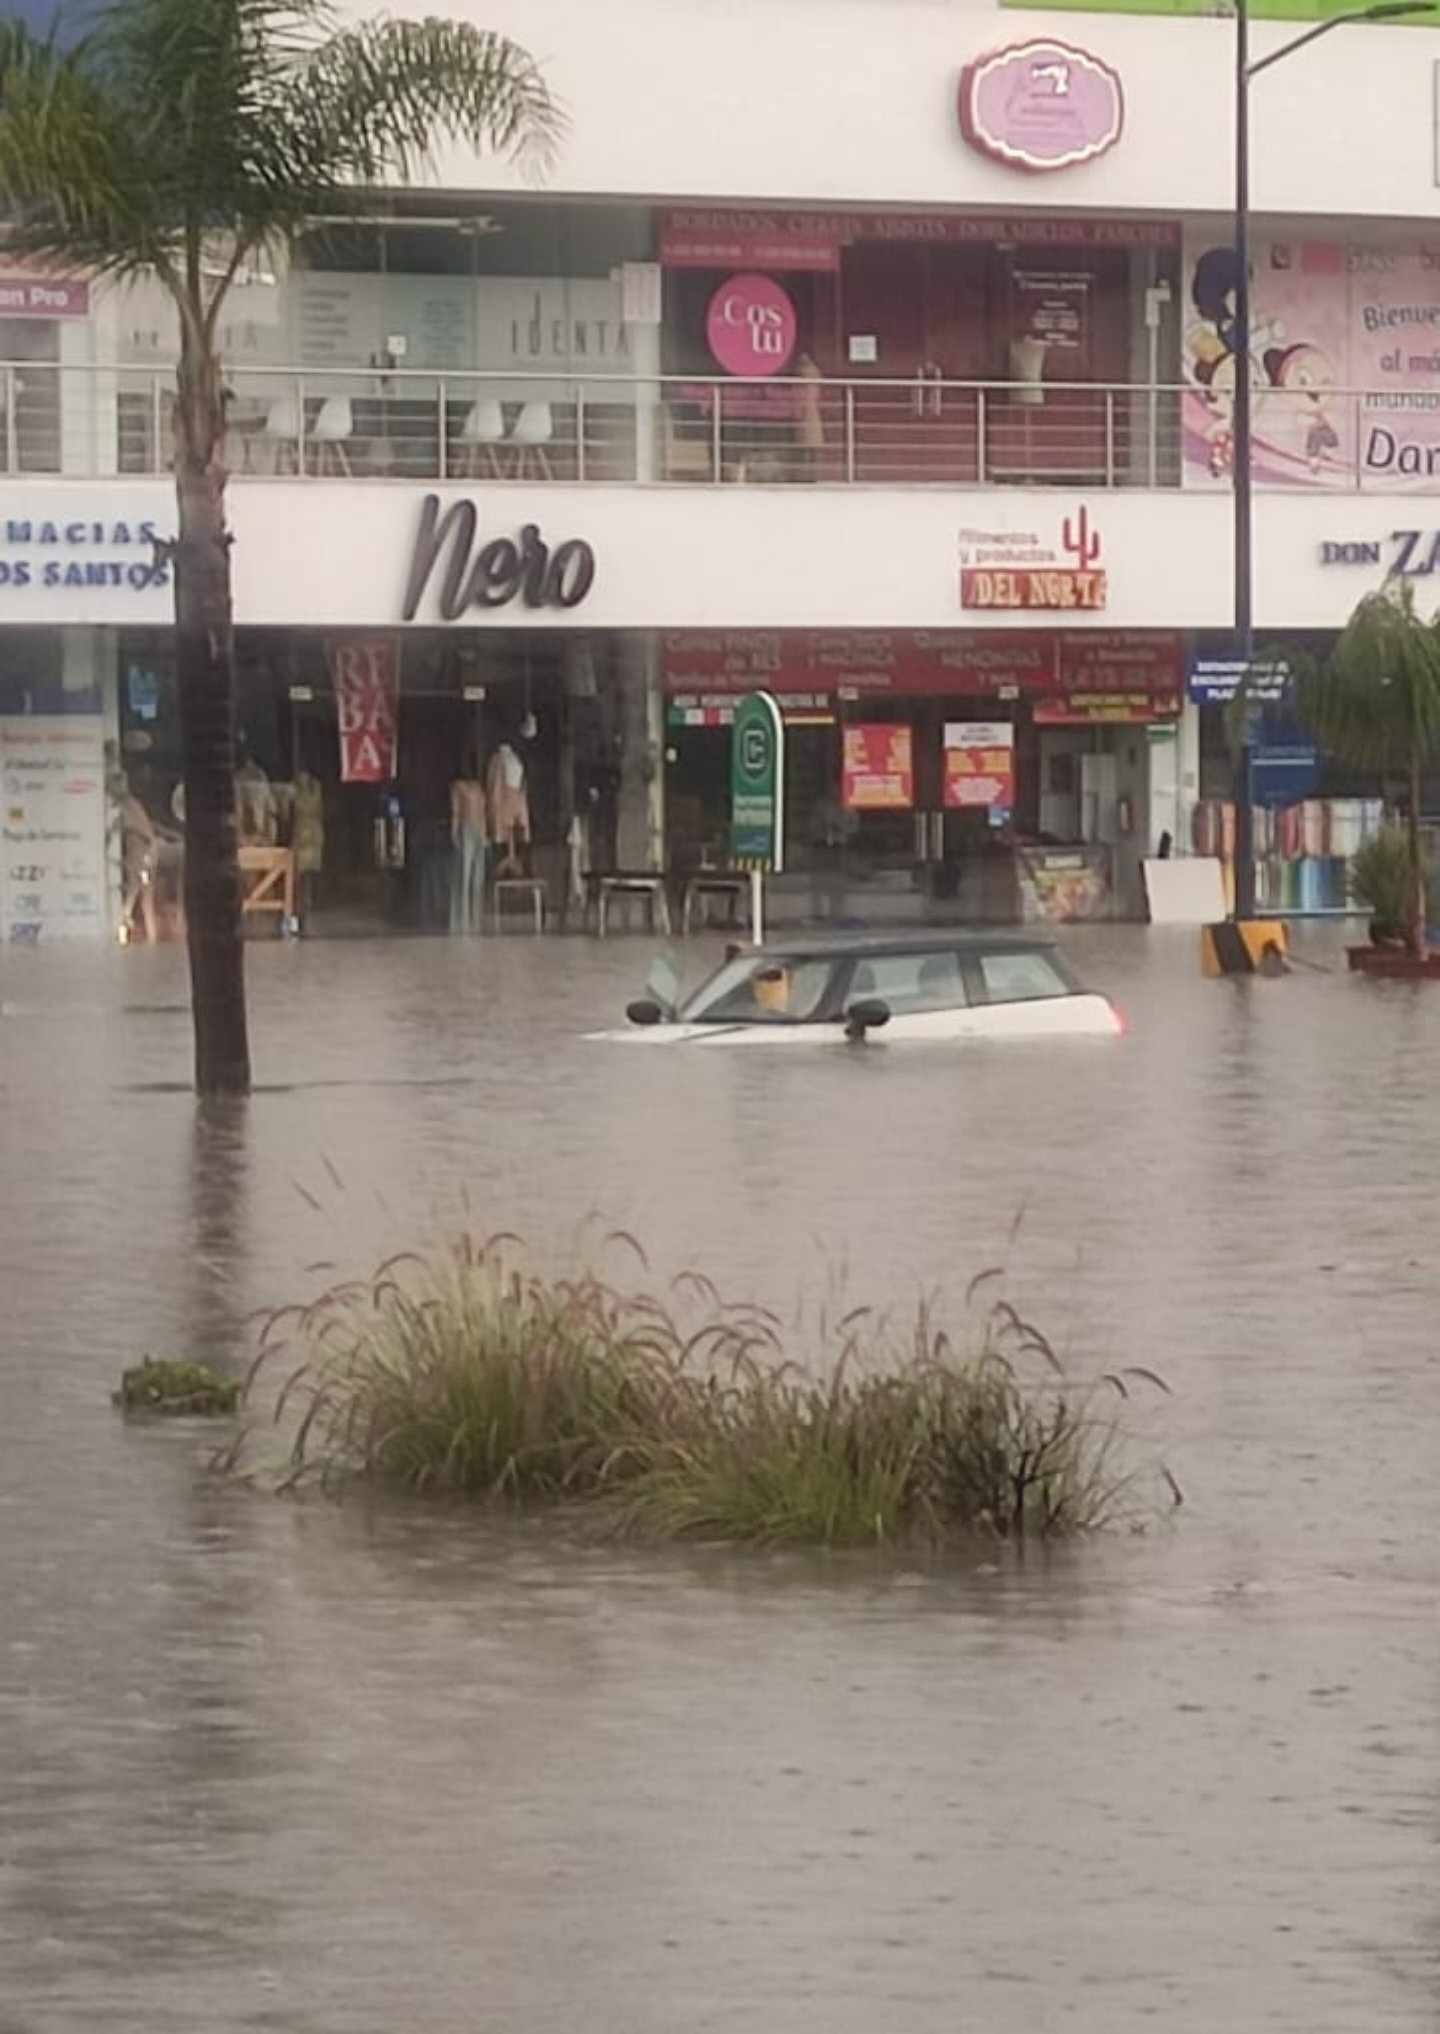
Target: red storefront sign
column 1052, row 587
column 863, row 663
column 732, row 238
column 979, row 764
column 878, row 772
column 366, row 675
column 1119, row 677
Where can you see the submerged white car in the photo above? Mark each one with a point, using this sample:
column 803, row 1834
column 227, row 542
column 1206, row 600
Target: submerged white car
column 933, row 985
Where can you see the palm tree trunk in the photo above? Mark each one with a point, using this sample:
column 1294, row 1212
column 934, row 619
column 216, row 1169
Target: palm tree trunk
column 1415, row 931
column 205, row 669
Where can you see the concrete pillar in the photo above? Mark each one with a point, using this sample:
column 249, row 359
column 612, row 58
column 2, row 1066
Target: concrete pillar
column 648, row 394
column 89, row 413
column 1188, row 776
column 642, row 777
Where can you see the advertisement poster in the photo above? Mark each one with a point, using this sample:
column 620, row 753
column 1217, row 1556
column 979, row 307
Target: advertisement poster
column 1060, row 886
column 1344, row 362
column 52, row 805
column 879, row 774
column 979, row 764
column 366, row 675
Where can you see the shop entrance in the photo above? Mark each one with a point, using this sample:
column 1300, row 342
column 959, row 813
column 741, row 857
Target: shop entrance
column 404, row 772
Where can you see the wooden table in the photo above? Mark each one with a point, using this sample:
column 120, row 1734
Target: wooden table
column 267, row 881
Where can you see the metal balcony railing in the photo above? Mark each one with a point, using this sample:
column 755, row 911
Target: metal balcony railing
column 408, row 424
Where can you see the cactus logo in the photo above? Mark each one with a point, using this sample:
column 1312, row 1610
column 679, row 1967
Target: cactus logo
column 1082, row 542
column 1023, row 568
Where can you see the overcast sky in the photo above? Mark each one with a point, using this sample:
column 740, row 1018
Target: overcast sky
column 41, row 13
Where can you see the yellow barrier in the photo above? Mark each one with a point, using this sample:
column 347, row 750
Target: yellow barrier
column 1249, row 946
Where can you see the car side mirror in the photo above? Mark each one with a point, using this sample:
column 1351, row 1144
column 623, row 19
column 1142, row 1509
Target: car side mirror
column 869, row 1014
column 644, row 1011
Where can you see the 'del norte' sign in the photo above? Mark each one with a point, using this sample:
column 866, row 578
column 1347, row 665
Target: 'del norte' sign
column 1041, row 105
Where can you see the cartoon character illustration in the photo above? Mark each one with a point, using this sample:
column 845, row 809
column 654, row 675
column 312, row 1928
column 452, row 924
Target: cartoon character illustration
column 1305, row 374
column 1210, row 352
column 1210, row 345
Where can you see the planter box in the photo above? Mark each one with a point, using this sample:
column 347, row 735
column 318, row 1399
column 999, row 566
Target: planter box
column 1393, row 964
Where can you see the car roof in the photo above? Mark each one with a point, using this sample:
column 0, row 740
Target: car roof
column 814, row 946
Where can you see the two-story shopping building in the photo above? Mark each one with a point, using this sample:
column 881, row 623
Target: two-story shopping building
column 880, row 352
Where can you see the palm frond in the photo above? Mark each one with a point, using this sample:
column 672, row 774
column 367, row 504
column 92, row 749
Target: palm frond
column 1375, row 703
column 175, row 124
column 371, row 103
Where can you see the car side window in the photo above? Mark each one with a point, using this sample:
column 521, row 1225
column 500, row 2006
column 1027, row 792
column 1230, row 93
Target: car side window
column 1020, row 977
column 909, row 982
column 770, row 992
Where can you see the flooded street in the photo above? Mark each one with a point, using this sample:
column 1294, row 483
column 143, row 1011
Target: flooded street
column 320, row 1770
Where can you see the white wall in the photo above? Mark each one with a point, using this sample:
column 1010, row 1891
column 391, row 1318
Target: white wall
column 855, row 101
column 326, row 553
column 734, row 556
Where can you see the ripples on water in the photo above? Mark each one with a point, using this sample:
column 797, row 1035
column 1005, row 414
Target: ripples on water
column 327, row 1771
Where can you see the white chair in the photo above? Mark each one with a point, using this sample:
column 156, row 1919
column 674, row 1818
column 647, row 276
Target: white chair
column 282, row 430
column 481, row 431
column 534, row 429
column 334, row 425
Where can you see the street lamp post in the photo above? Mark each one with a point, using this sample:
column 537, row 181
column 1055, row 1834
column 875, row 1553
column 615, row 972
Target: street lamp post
column 1387, row 10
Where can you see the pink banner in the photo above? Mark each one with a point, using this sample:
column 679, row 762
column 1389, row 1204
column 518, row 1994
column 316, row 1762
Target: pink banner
column 1344, row 362
column 40, row 296
column 366, row 675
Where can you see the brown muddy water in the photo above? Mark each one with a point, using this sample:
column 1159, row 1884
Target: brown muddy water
column 330, row 1770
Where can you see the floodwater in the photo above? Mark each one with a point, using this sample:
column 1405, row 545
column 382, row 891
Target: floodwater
column 330, row 1770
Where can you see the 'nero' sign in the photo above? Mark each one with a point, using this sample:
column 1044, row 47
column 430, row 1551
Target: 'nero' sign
column 503, row 568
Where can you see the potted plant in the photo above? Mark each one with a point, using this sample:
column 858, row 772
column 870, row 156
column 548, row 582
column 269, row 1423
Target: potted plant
column 1379, row 878
column 1375, row 704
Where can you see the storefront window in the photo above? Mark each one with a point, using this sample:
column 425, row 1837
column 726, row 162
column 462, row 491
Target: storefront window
column 458, row 757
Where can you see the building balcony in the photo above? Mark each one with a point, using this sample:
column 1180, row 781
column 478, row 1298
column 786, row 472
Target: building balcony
column 687, row 430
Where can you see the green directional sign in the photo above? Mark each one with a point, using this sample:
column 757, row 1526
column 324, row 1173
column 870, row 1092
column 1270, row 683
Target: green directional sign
column 757, row 785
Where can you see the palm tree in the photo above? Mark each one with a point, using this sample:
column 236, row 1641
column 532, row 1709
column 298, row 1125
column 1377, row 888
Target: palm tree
column 1375, row 704
column 184, row 140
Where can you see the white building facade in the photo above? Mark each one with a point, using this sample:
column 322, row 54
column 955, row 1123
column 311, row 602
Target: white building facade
column 876, row 351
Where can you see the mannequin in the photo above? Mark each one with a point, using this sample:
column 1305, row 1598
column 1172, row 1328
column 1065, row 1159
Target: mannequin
column 809, row 422
column 1027, row 368
column 508, row 807
column 308, row 838
column 470, row 839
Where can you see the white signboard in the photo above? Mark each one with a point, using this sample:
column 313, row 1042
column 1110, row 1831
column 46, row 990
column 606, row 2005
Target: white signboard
column 52, row 828
column 979, row 734
column 85, row 553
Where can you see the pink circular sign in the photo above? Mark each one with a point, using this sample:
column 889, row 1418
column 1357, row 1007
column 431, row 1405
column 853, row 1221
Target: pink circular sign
column 751, row 325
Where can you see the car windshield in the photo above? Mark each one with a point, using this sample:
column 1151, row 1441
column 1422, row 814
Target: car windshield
column 760, row 989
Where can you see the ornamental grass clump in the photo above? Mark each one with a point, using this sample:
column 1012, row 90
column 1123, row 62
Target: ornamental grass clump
column 465, row 1373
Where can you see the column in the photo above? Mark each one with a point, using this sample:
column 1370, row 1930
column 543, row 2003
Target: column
column 642, row 779
column 1188, row 777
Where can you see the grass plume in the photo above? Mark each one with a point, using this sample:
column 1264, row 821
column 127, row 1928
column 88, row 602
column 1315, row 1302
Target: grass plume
column 464, row 1372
